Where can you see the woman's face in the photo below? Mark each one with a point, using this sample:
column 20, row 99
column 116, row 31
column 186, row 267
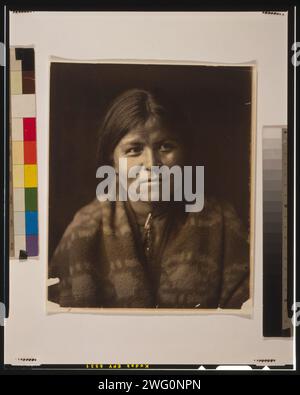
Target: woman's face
column 148, row 146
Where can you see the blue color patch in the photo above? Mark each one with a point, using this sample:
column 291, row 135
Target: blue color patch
column 31, row 221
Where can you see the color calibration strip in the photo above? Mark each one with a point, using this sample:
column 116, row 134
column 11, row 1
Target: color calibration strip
column 276, row 322
column 24, row 154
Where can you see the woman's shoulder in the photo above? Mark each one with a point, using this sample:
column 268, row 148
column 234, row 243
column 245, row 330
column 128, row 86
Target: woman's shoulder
column 88, row 212
column 217, row 207
column 84, row 224
column 218, row 211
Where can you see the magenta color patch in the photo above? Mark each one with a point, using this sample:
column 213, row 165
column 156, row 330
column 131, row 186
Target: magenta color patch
column 29, row 129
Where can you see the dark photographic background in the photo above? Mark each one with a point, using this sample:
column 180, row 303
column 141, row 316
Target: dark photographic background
column 217, row 100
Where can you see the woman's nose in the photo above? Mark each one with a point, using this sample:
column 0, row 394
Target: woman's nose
column 150, row 158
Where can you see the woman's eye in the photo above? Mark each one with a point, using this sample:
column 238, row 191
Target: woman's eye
column 133, row 151
column 166, row 147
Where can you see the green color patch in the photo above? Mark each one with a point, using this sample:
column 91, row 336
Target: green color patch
column 30, row 199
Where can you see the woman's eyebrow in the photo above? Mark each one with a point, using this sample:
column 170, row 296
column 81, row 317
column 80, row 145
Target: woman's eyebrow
column 164, row 139
column 133, row 140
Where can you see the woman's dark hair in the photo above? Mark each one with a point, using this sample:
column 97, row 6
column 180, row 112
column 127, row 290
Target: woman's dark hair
column 134, row 108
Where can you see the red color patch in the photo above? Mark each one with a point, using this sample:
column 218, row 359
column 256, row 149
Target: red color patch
column 29, row 152
column 29, row 129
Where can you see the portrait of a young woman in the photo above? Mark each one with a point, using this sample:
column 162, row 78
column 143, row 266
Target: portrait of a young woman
column 150, row 254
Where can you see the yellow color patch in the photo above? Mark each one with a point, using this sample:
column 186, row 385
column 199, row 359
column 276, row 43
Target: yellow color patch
column 18, row 152
column 18, row 176
column 30, row 176
column 16, row 82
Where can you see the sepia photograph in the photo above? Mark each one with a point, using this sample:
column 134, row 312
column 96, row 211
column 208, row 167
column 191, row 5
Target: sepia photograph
column 150, row 189
column 150, row 185
column 149, row 192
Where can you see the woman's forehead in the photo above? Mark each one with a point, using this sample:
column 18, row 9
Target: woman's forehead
column 147, row 133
